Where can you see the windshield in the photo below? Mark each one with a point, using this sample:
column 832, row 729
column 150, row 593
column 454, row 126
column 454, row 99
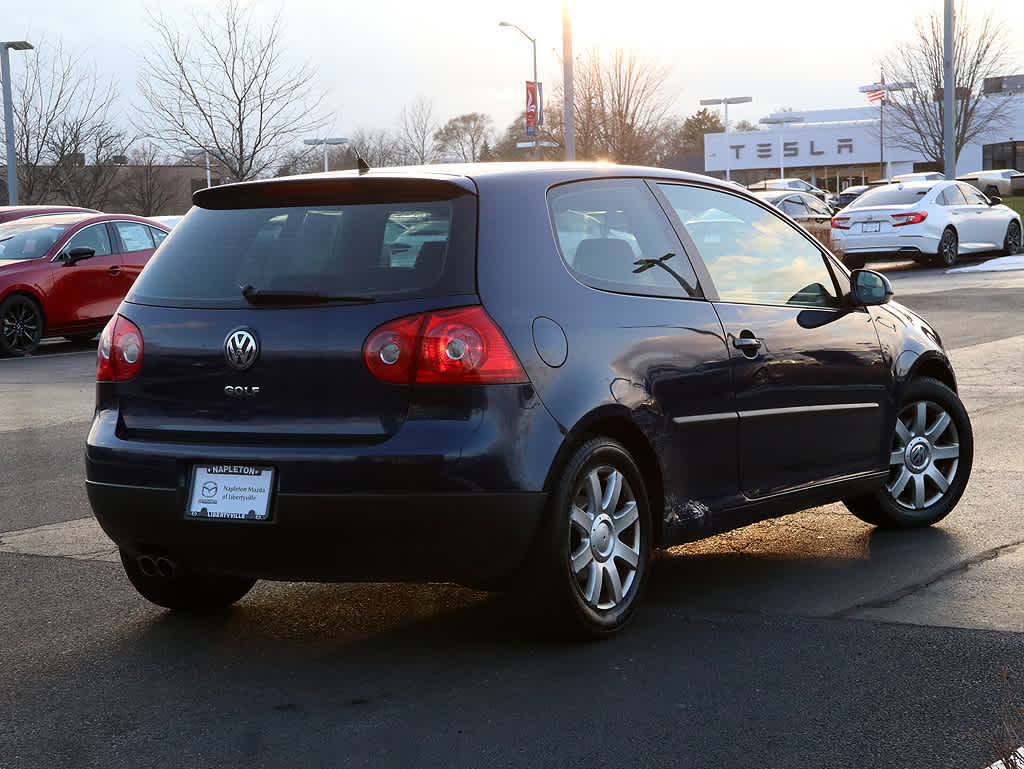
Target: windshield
column 314, row 253
column 29, row 240
column 892, row 195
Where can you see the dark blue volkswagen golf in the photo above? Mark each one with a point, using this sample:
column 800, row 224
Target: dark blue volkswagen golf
column 520, row 375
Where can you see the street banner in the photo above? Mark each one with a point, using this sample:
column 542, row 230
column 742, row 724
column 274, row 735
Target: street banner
column 532, row 109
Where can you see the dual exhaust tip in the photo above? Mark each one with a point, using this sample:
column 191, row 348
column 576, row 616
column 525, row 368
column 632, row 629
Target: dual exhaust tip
column 157, row 566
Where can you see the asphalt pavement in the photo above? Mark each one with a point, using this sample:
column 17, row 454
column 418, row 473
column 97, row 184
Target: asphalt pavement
column 811, row 640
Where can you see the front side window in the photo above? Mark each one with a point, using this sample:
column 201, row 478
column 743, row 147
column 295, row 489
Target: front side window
column 951, row 196
column 816, row 206
column 974, row 198
column 613, row 236
column 753, row 256
column 94, row 237
column 793, row 207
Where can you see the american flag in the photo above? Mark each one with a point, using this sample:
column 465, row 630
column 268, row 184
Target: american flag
column 877, row 93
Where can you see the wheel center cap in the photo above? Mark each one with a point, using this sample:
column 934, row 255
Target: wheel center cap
column 602, row 539
column 918, row 454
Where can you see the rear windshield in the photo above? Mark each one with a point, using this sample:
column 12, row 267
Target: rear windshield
column 379, row 251
column 890, row 196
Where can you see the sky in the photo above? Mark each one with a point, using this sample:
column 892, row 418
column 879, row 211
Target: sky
column 376, row 56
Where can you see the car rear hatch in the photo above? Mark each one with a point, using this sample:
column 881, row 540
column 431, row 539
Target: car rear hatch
column 254, row 312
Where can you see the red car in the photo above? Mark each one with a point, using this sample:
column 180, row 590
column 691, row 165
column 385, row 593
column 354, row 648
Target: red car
column 10, row 213
column 65, row 274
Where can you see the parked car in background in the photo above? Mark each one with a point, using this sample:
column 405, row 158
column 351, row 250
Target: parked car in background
column 65, row 274
column 168, row 220
column 850, row 194
column 799, row 206
column 925, row 221
column 280, row 397
column 10, row 213
column 787, row 184
column 917, row 176
column 1006, row 182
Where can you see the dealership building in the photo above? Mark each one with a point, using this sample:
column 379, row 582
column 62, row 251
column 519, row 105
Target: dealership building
column 835, row 148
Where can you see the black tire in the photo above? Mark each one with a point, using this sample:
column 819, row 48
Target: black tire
column 186, row 591
column 569, row 593
column 893, row 506
column 1011, row 243
column 949, row 248
column 21, row 325
column 855, row 261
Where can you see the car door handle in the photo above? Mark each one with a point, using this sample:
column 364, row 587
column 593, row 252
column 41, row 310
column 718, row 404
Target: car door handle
column 114, row 270
column 747, row 344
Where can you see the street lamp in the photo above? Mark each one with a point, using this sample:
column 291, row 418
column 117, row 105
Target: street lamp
column 533, row 42
column 325, row 142
column 726, row 101
column 201, row 151
column 883, row 88
column 781, row 120
column 12, row 156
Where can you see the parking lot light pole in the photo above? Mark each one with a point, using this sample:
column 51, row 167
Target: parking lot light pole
column 725, row 102
column 533, row 42
column 781, row 120
column 12, row 155
column 325, row 142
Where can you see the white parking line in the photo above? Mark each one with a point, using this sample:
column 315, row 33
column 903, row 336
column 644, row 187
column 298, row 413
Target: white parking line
column 81, row 539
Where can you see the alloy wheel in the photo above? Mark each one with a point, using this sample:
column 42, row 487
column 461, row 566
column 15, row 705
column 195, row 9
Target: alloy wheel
column 924, row 457
column 948, row 248
column 20, row 326
column 604, row 538
column 1012, row 245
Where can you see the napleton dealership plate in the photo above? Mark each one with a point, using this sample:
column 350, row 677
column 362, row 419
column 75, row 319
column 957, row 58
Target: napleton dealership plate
column 230, row 491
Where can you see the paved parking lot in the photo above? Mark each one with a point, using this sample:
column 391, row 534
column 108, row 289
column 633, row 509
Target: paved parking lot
column 812, row 640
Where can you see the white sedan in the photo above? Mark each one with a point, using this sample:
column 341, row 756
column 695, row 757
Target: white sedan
column 929, row 221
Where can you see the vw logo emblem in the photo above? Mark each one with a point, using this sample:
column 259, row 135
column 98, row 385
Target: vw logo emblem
column 240, row 350
column 917, row 456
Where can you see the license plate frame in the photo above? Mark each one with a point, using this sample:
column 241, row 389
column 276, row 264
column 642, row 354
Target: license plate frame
column 871, row 226
column 230, row 492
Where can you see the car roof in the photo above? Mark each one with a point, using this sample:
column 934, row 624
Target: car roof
column 468, row 175
column 79, row 217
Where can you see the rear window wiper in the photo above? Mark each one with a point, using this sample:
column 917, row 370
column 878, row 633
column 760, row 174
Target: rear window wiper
column 269, row 296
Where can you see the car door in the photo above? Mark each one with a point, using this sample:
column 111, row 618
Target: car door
column 137, row 245
column 988, row 223
column 86, row 292
column 810, row 381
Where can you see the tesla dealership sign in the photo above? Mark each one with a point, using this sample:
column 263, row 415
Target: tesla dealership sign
column 833, row 144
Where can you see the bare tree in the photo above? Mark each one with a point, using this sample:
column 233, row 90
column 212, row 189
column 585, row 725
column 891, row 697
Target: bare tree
column 145, row 189
column 463, row 136
column 66, row 140
column 620, row 107
column 225, row 86
column 981, row 49
column 376, row 146
column 416, row 129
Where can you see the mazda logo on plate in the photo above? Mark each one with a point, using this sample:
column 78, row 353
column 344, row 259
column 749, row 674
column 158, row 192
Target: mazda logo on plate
column 240, row 350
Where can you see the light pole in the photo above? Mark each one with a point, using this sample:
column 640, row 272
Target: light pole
column 325, row 142
column 533, row 42
column 202, row 151
column 12, row 155
column 726, row 101
column 567, row 89
column 781, row 121
column 873, row 90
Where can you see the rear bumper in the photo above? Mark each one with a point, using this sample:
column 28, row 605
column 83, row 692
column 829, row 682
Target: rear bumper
column 332, row 537
column 903, row 246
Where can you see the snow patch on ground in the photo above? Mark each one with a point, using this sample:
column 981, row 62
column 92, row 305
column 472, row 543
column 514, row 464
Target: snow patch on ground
column 994, row 265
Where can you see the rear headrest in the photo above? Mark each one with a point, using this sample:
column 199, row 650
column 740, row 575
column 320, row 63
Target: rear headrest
column 608, row 258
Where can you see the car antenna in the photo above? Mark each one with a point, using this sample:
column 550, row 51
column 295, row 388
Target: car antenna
column 364, row 167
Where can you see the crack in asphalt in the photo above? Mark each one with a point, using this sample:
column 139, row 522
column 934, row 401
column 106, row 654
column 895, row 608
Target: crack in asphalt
column 893, row 598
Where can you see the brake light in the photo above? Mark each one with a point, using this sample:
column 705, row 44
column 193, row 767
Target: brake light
column 119, row 356
column 460, row 346
column 900, row 220
column 840, row 222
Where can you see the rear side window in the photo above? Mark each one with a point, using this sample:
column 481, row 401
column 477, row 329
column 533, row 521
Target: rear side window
column 380, row 250
column 614, row 236
column 134, row 236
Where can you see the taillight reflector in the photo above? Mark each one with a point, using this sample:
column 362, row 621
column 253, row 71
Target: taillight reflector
column 900, row 220
column 460, row 346
column 119, row 356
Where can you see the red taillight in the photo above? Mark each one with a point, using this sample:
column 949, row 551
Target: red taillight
column 840, row 222
column 460, row 346
column 900, row 220
column 119, row 357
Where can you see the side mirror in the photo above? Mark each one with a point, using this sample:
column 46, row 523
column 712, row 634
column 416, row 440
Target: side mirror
column 78, row 254
column 995, row 200
column 869, row 288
